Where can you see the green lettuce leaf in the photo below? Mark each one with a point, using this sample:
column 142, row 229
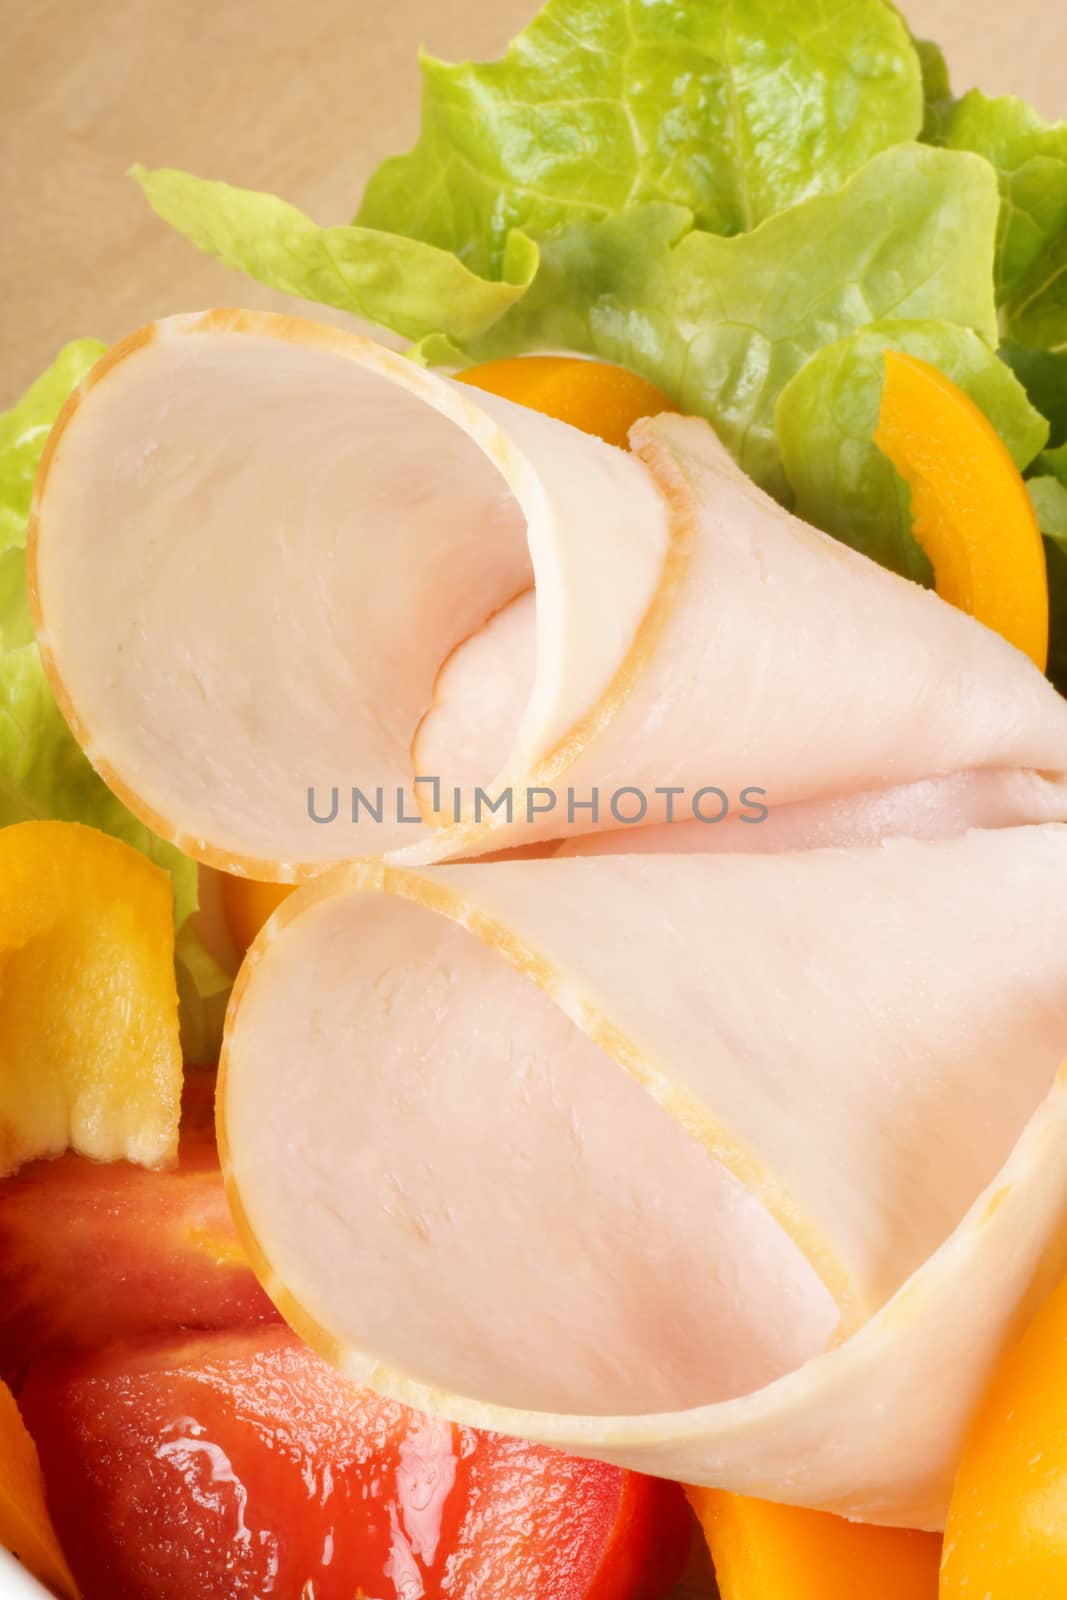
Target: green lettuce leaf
column 828, row 413
column 398, row 282
column 203, row 994
column 937, row 89
column 1036, row 312
column 43, row 773
column 1049, row 495
column 722, row 325
column 16, row 624
column 733, row 109
column 1055, row 461
column 24, row 429
column 1044, row 377
column 1030, row 158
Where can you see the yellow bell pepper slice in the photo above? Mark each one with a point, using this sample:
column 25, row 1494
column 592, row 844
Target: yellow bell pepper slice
column 25, row 1527
column 89, row 1052
column 763, row 1551
column 594, row 396
column 1006, row 1537
column 970, row 509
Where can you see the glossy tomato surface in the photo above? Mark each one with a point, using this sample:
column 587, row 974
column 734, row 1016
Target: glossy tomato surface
column 236, row 1466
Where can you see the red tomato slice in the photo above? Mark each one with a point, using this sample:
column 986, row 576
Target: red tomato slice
column 240, row 1465
column 92, row 1254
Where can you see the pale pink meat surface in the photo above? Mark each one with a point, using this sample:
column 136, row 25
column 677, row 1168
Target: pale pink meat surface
column 273, row 563
column 642, row 1138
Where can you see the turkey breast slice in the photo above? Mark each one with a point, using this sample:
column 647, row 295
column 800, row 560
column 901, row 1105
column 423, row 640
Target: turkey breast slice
column 735, row 1168
column 259, row 544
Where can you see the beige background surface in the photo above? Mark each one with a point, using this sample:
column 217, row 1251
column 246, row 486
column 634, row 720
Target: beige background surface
column 301, row 97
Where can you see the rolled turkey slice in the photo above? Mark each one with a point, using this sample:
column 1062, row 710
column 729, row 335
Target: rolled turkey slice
column 272, row 564
column 932, row 808
column 735, row 1168
column 256, row 539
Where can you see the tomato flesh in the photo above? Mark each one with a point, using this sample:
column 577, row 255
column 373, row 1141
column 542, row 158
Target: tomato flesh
column 240, row 1465
column 92, row 1254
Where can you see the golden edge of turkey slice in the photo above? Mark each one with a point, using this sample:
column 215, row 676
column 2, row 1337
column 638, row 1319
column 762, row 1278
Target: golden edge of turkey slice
column 466, row 838
column 666, row 1443
column 438, row 898
column 461, row 839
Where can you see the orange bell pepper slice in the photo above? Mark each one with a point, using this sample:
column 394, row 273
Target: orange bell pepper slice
column 763, row 1551
column 970, row 509
column 594, row 396
column 88, row 1004
column 1006, row 1537
column 247, row 904
column 25, row 1527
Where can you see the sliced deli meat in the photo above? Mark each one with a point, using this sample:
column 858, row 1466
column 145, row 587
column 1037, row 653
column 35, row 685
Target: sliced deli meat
column 732, row 1153
column 280, row 574
column 291, row 529
column 930, row 808
column 735, row 1168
